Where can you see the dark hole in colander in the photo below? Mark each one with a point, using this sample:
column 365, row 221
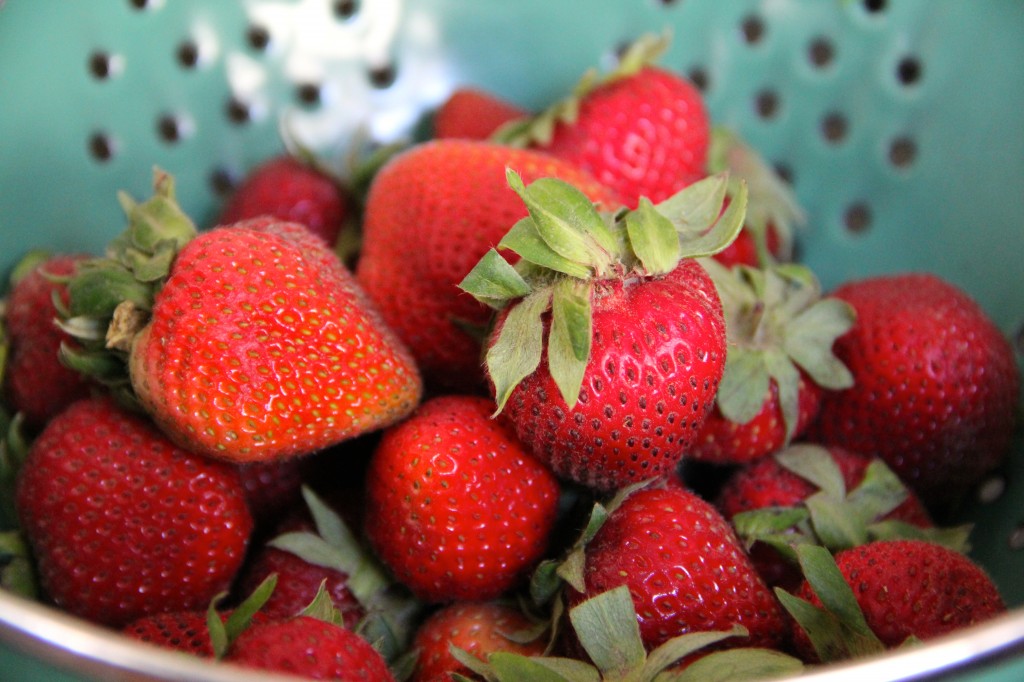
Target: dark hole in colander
column 238, row 111
column 902, row 152
column 1017, row 538
column 834, row 127
column 875, row 5
column 766, row 104
column 308, row 93
column 784, row 171
column 140, row 4
column 101, row 65
column 188, row 54
column 383, row 76
column 258, row 37
column 345, row 9
column 857, row 218
column 101, row 146
column 821, row 52
column 171, row 128
column 222, row 181
column 698, row 75
column 909, row 70
column 752, row 28
column 668, row 2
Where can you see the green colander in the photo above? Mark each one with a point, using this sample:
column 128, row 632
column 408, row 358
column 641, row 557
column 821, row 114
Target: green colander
column 898, row 122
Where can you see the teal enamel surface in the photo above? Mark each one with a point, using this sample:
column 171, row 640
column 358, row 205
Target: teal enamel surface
column 900, row 128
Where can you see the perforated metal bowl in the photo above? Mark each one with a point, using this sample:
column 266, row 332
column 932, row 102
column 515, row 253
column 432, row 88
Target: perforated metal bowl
column 898, row 123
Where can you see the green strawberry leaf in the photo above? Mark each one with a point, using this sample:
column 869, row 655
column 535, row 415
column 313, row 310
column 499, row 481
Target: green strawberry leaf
column 607, row 627
column 722, row 232
column 681, row 646
column 834, row 524
column 508, row 667
column 696, row 207
column 751, row 663
column 956, row 538
column 322, row 607
column 100, row 286
column 782, row 528
column 494, row 282
column 569, row 340
column 525, row 239
column 566, row 220
column 809, row 339
column 744, row 386
column 787, row 379
column 17, row 571
column 813, row 463
column 880, row 492
column 223, row 632
column 519, row 346
column 653, row 238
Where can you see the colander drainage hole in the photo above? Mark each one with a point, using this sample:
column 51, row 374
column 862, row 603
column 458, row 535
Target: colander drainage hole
column 909, row 71
column 308, row 93
column 345, row 9
column 752, row 29
column 991, row 489
column 857, row 218
column 173, row 128
column 834, row 127
column 103, row 65
column 698, row 75
column 383, row 76
column 188, row 54
column 902, row 152
column 821, row 52
column 766, row 104
column 875, row 5
column 102, row 146
column 238, row 112
column 1017, row 538
column 222, row 181
column 258, row 37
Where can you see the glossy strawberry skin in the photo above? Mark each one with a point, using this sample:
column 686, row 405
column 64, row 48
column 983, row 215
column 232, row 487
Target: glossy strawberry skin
column 936, row 384
column 184, row 631
column 473, row 114
column 261, row 346
column 431, row 214
column 722, row 441
column 457, row 508
column 289, row 189
column 911, row 587
column 684, row 567
column 125, row 524
column 480, row 628
column 311, row 648
column 36, row 384
column 657, row 355
column 644, row 135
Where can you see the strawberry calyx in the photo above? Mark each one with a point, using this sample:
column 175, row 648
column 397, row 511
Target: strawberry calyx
column 566, row 247
column 391, row 612
column 539, row 129
column 110, row 297
column 777, row 325
column 836, row 518
column 606, row 626
column 224, row 631
column 772, row 202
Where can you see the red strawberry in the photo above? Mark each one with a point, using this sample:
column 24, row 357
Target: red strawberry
column 292, row 190
column 855, row 487
column 122, row 522
column 936, row 384
column 780, row 333
column 635, row 338
column 36, row 384
column 185, row 631
column 902, row 588
column 456, row 507
column 685, row 569
column 257, row 345
column 473, row 114
column 431, row 214
column 479, row 628
column 641, row 130
column 309, row 647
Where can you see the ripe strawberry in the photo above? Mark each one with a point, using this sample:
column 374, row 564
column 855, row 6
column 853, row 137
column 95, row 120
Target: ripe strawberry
column 473, row 114
column 935, row 384
column 256, row 345
column 780, row 333
column 309, row 647
column 899, row 588
column 293, row 190
column 122, row 522
column 479, row 628
column 641, row 130
column 817, row 485
column 35, row 382
column 635, row 343
column 684, row 566
column 431, row 214
column 185, row 631
column 456, row 507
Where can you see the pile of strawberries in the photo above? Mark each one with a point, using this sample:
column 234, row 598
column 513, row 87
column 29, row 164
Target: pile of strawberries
column 570, row 411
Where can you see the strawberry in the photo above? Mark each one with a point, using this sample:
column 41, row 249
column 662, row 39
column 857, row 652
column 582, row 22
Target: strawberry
column 431, row 213
column 249, row 342
column 271, row 488
column 35, row 383
column 798, row 494
column 473, row 114
column 642, row 130
column 457, row 508
column 309, row 647
column 478, row 628
column 684, row 566
column 293, row 190
column 780, row 333
column 635, row 337
column 184, row 631
column 122, row 522
column 884, row 593
column 935, row 387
